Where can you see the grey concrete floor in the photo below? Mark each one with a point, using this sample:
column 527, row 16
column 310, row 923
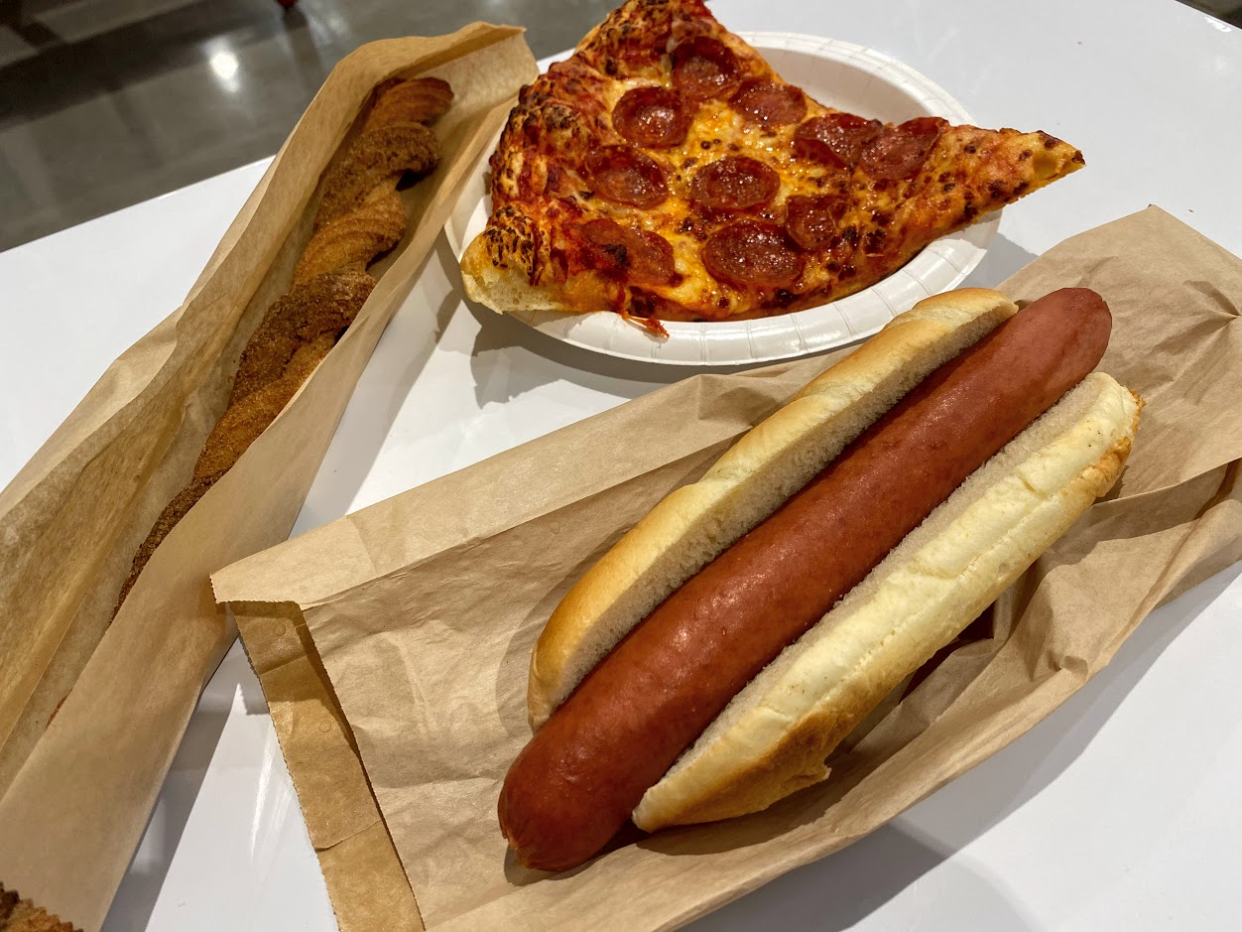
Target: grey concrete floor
column 104, row 103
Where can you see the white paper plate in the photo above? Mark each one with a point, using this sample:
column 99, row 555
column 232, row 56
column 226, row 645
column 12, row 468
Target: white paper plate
column 837, row 74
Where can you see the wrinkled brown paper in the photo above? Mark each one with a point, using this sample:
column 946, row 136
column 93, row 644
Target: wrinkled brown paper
column 75, row 794
column 424, row 607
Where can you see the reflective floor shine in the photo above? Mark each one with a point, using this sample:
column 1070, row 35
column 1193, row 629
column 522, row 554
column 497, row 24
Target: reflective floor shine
column 104, row 103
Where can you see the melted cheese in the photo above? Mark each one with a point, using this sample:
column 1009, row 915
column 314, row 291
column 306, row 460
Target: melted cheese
column 968, row 173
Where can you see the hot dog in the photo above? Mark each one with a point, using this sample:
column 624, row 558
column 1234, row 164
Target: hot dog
column 600, row 758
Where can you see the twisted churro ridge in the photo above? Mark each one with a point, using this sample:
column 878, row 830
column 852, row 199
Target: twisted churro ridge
column 354, row 240
column 377, row 159
column 421, row 101
column 242, row 423
column 360, row 216
column 325, row 303
column 18, row 915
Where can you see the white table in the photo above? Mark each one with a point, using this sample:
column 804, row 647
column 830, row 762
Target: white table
column 1120, row 811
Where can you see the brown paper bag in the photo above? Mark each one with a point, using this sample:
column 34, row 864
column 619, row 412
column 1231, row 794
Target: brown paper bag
column 366, row 884
column 77, row 788
column 423, row 608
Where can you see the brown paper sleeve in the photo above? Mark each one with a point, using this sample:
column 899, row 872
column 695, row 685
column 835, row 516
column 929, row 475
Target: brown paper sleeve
column 367, row 887
column 76, row 789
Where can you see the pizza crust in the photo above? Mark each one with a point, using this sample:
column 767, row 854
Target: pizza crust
column 497, row 266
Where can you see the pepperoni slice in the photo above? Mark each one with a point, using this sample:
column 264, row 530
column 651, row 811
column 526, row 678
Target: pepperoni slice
column 734, row 183
column 643, row 257
column 704, row 68
column 812, row 221
column 752, row 253
column 899, row 151
column 653, row 117
column 769, row 103
column 837, row 139
column 626, row 176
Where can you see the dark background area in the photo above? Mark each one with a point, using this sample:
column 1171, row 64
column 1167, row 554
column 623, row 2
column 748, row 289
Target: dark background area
column 105, row 103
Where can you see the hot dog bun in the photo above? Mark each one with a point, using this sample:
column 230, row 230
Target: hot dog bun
column 773, row 737
column 696, row 523
column 711, row 661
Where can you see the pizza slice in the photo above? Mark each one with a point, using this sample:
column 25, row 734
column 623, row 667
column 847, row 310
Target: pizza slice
column 666, row 172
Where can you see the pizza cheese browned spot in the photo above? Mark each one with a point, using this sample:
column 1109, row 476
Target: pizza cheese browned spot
column 666, row 172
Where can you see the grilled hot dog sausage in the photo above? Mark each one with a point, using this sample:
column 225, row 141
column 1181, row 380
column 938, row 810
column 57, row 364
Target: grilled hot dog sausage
column 586, row 769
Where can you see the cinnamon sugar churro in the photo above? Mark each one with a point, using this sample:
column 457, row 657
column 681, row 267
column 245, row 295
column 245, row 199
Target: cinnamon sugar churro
column 360, row 216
